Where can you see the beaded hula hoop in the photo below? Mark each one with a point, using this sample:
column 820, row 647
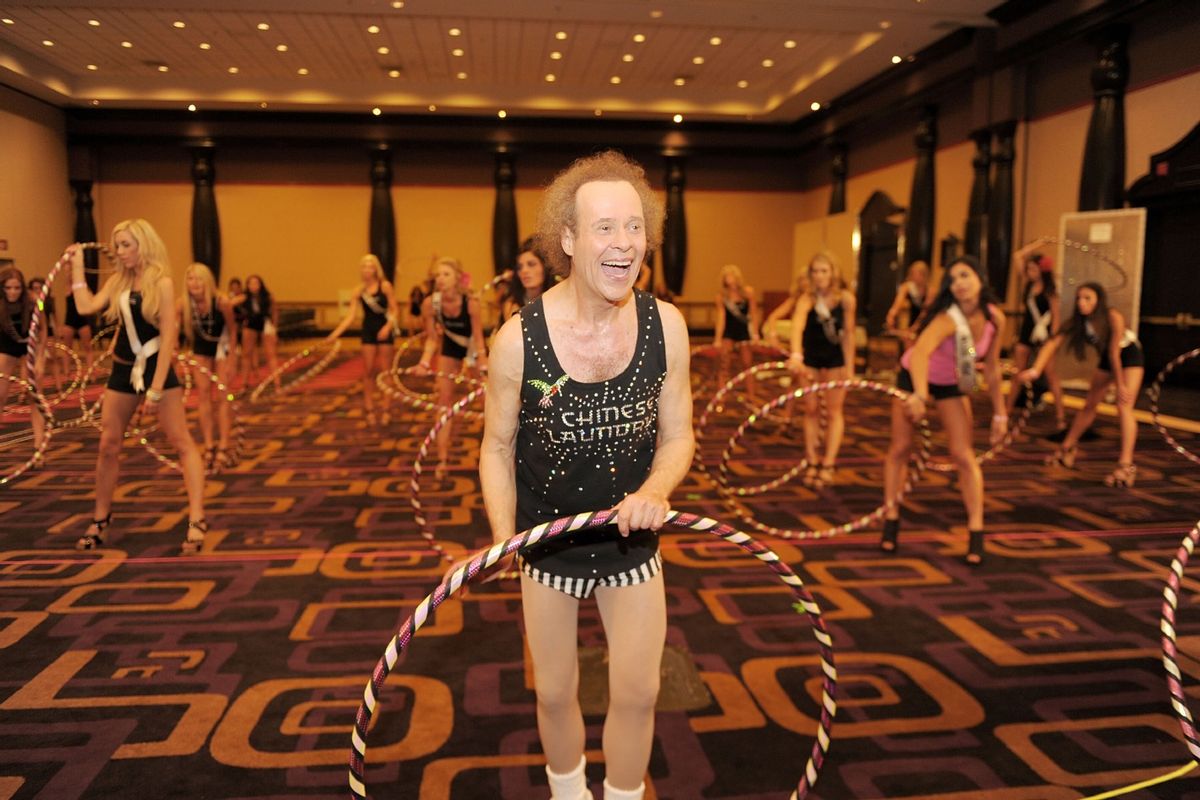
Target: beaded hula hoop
column 308, row 374
column 39, row 451
column 487, row 559
column 389, row 383
column 75, row 383
column 414, row 483
column 1095, row 253
column 732, row 494
column 714, row 405
column 1169, row 649
column 1155, row 392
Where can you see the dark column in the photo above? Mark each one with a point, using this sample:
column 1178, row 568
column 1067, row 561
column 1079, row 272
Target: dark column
column 1102, row 184
column 1000, row 209
column 85, row 229
column 504, row 215
column 918, row 229
column 975, row 243
column 674, row 247
column 206, row 227
column 837, row 169
column 382, row 230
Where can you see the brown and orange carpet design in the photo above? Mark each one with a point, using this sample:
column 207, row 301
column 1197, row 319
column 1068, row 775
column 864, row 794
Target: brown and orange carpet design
column 134, row 673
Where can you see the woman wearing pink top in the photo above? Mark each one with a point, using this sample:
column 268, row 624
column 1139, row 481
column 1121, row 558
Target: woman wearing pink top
column 958, row 331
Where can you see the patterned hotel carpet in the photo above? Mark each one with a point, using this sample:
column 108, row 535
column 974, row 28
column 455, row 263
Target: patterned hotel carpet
column 134, row 673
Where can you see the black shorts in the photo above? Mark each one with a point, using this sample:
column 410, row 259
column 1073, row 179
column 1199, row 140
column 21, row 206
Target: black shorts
column 12, row 348
column 1131, row 356
column 76, row 320
column 371, row 329
column 452, row 349
column 823, row 358
column 119, row 380
column 938, row 391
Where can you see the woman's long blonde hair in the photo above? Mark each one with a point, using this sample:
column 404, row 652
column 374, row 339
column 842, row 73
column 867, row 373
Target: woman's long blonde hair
column 155, row 266
column 739, row 279
column 210, row 295
column 373, row 260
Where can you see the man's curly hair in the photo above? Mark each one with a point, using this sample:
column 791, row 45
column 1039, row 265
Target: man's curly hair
column 559, row 209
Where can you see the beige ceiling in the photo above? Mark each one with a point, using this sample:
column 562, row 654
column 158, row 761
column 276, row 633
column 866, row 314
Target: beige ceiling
column 773, row 60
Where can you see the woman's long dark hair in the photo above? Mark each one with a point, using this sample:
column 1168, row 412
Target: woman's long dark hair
column 944, row 298
column 516, row 289
column 1075, row 330
column 1047, row 275
column 263, row 294
column 24, row 306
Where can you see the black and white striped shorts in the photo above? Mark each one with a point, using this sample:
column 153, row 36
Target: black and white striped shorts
column 582, row 588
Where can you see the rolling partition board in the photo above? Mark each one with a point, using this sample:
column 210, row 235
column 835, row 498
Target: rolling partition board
column 1105, row 247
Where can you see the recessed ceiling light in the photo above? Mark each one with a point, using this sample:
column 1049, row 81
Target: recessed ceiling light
column 163, row 68
column 8, row 21
column 598, row 112
column 432, row 107
column 179, row 24
column 373, row 29
column 614, row 80
column 551, row 77
column 677, row 118
column 95, row 23
column 768, row 63
column 815, row 106
column 377, row 111
column 262, row 26
column 233, row 70
column 790, row 44
column 457, row 52
column 885, row 24
column 555, row 56
column 680, row 81
column 126, row 44
column 262, row 105
column 397, row 3
column 627, row 57
column 714, row 41
column 95, row 102
column 455, row 32
column 383, row 51
column 698, row 60
column 302, row 71
column 462, row 76
column 191, row 106
column 743, row 84
column 281, row 48
column 896, row 59
column 502, row 113
column 560, row 35
column 656, row 14
column 639, row 37
column 92, row 67
column 205, row 46
column 47, row 43
column 393, row 73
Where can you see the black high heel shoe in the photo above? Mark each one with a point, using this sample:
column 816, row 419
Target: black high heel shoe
column 89, row 540
column 891, row 529
column 193, row 543
column 974, row 555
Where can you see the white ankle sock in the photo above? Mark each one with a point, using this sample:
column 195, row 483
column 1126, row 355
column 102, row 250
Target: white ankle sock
column 611, row 793
column 572, row 785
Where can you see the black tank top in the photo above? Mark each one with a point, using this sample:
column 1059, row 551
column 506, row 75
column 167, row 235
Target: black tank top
column 371, row 317
column 205, row 327
column 737, row 320
column 145, row 330
column 584, row 446
column 816, row 338
column 14, row 336
column 460, row 323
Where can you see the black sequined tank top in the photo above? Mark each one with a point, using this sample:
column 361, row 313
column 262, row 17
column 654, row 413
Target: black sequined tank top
column 585, row 446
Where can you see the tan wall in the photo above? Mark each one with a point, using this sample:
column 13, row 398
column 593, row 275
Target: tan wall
column 36, row 211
